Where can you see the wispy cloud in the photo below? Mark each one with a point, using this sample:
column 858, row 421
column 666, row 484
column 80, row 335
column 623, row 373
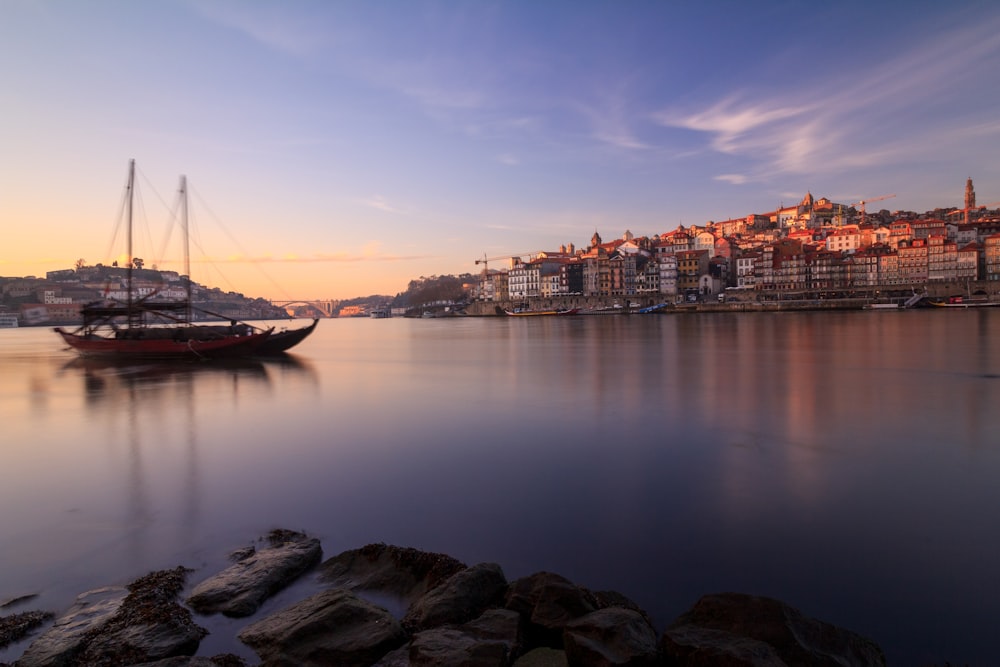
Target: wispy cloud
column 294, row 33
column 379, row 203
column 896, row 112
column 370, row 253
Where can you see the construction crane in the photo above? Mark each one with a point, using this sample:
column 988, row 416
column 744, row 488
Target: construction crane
column 485, row 261
column 864, row 201
column 965, row 211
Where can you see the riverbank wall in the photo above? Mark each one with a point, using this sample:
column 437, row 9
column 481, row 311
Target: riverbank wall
column 743, row 300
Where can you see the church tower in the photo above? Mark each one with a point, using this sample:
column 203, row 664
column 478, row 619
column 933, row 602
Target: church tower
column 970, row 195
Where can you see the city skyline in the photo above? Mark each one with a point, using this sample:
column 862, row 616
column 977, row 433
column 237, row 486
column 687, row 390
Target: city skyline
column 347, row 148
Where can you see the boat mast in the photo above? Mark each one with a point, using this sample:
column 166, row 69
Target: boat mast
column 132, row 318
column 187, row 249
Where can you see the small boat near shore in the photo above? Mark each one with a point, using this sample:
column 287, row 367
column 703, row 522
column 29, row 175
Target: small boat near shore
column 8, row 321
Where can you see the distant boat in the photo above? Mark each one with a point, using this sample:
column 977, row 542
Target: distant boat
column 965, row 302
column 8, row 321
column 148, row 329
column 281, row 341
column 523, row 312
column 653, row 309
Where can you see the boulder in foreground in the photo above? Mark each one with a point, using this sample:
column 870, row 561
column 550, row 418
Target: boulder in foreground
column 333, row 627
column 738, row 629
column 240, row 589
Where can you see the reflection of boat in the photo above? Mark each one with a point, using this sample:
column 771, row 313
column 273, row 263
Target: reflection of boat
column 616, row 309
column 521, row 312
column 8, row 321
column 282, row 341
column 146, row 328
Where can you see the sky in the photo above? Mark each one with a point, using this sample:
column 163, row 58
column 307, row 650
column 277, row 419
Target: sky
column 342, row 148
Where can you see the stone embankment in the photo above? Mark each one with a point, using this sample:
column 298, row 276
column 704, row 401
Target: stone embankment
column 451, row 614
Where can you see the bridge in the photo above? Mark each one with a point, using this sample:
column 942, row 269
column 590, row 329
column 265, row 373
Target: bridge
column 327, row 308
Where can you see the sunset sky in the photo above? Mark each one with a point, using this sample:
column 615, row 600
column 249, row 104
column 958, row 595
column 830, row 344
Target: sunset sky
column 338, row 149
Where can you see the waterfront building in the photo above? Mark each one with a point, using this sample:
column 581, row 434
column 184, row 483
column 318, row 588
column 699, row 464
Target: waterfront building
column 647, row 275
column 691, row 265
column 888, row 268
column 991, row 257
column 913, row 261
column 967, row 262
column 745, row 269
column 524, row 280
column 668, row 274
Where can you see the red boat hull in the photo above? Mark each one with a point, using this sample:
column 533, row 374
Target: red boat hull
column 163, row 348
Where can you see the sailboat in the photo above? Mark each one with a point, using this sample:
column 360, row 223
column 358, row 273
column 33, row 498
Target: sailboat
column 150, row 329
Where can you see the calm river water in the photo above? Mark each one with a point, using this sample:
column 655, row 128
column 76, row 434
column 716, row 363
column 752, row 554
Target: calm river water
column 847, row 463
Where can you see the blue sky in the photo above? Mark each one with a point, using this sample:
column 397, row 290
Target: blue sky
column 344, row 148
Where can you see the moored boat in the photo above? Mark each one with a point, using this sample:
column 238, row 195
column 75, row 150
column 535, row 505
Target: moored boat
column 281, row 341
column 965, row 302
column 8, row 321
column 149, row 329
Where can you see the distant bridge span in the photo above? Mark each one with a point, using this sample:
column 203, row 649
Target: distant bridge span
column 328, row 308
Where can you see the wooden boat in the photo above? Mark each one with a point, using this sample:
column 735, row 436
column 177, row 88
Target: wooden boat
column 281, row 341
column 148, row 329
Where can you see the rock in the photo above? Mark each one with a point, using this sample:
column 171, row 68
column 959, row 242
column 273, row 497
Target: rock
column 15, row 627
column 60, row 644
column 149, row 625
column 16, row 600
column 610, row 636
column 112, row 627
column 225, row 660
column 691, row 646
column 722, row 624
column 488, row 641
column 240, row 589
column 459, row 599
column 549, row 602
column 333, row 627
column 542, row 657
column 402, row 573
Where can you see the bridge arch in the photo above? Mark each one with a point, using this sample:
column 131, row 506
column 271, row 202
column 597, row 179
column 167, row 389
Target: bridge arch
column 327, row 308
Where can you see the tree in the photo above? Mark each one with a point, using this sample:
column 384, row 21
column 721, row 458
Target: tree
column 137, row 262
column 80, row 264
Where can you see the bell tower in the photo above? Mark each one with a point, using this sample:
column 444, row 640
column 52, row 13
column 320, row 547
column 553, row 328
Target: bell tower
column 970, row 195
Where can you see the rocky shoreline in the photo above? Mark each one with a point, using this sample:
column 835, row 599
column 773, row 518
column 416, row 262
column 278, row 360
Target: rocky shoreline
column 452, row 614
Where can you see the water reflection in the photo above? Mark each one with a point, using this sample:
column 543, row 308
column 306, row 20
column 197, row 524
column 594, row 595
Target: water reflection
column 841, row 461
